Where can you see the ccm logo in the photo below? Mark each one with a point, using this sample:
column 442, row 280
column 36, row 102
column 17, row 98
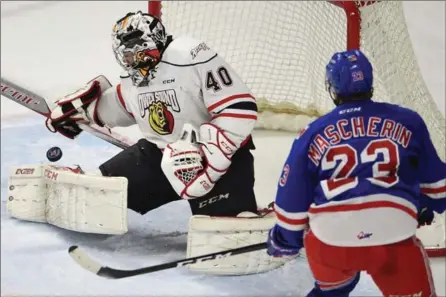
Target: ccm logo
column 50, row 174
column 24, row 171
column 228, row 149
column 168, row 81
column 192, row 261
column 349, row 110
column 213, row 200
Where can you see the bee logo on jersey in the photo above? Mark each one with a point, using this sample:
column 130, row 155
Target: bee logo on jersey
column 160, row 118
column 158, row 106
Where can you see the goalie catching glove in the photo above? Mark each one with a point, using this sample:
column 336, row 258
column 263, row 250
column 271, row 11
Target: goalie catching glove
column 194, row 163
column 78, row 107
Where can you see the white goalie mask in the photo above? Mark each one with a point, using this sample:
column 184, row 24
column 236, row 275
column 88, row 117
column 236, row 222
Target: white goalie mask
column 138, row 40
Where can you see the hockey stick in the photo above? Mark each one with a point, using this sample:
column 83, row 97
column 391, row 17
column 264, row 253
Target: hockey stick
column 89, row 264
column 38, row 104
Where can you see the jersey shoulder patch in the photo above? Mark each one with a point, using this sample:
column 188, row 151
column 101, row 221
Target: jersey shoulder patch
column 187, row 51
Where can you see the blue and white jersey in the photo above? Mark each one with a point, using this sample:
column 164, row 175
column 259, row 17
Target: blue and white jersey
column 358, row 177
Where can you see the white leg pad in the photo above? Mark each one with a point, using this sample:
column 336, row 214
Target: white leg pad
column 214, row 234
column 79, row 202
column 27, row 193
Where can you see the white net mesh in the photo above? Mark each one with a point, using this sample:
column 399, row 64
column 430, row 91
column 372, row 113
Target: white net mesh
column 280, row 49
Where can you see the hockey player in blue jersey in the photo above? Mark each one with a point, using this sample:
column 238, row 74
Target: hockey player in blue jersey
column 354, row 186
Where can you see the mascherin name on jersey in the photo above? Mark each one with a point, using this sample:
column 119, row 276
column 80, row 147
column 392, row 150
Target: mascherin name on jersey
column 167, row 97
column 355, row 127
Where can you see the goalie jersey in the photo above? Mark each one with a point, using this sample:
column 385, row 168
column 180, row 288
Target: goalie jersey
column 191, row 84
column 358, row 176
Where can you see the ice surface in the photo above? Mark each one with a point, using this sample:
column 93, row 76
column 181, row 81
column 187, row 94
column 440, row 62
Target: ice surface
column 53, row 47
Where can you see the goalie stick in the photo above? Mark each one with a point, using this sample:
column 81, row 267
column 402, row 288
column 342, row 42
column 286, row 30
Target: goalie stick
column 89, row 264
column 38, row 104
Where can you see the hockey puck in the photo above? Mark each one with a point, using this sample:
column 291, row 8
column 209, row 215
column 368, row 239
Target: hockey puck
column 54, row 154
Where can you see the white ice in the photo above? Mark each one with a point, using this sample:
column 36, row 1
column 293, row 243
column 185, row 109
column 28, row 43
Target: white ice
column 53, row 47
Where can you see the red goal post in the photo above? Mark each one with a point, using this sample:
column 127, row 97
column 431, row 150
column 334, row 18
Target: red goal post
column 280, row 49
column 350, row 8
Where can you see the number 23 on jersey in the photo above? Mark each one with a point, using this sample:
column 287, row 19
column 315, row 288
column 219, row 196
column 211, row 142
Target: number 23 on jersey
column 343, row 159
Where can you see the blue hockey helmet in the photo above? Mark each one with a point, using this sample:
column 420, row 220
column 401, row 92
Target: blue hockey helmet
column 349, row 74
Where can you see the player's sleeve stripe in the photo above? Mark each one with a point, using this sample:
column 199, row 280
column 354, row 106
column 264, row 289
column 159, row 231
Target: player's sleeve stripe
column 244, row 105
column 121, row 100
column 291, row 227
column 434, row 194
column 435, row 190
column 290, row 215
column 436, row 187
column 238, row 115
column 439, row 184
column 231, row 100
column 293, row 221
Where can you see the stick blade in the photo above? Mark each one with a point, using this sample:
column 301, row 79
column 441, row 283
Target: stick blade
column 24, row 97
column 81, row 258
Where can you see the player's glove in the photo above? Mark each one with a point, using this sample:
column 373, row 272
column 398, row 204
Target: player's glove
column 207, row 160
column 276, row 249
column 425, row 217
column 78, row 107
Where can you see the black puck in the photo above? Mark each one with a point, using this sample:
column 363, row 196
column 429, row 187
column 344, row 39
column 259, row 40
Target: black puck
column 54, row 154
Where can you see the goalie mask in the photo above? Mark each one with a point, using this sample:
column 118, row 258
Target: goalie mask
column 138, row 41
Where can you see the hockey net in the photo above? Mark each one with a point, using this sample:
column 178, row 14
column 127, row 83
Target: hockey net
column 280, row 49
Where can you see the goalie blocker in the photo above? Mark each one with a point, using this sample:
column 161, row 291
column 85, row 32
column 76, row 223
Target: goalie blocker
column 223, row 219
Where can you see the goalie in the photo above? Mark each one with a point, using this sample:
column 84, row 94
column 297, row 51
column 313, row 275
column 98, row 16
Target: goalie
column 196, row 116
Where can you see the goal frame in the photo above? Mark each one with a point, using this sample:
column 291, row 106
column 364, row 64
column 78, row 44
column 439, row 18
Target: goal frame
column 351, row 9
column 353, row 28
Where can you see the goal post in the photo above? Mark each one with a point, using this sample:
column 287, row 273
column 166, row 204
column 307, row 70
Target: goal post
column 280, row 49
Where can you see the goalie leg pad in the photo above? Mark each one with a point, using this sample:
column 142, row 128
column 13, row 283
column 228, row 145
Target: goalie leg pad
column 27, row 193
column 79, row 202
column 215, row 234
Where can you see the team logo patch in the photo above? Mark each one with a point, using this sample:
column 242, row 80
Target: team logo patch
column 201, row 47
column 284, row 177
column 160, row 118
column 358, row 76
column 159, row 107
column 301, row 132
column 352, row 58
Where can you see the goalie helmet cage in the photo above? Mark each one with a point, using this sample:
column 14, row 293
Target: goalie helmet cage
column 280, row 49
